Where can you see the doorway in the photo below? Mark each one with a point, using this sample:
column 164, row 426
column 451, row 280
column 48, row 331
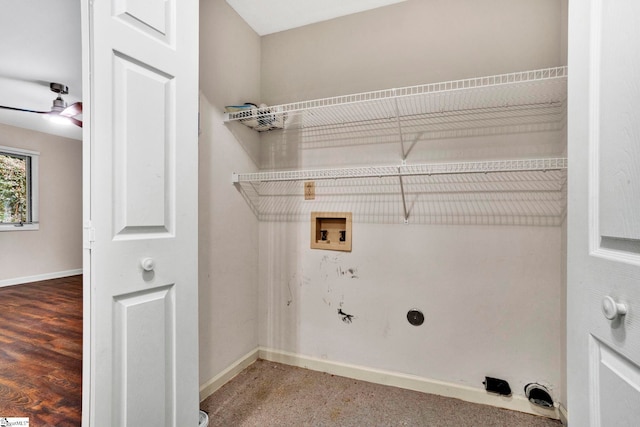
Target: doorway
column 41, row 259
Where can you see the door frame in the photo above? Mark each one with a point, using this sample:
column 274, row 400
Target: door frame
column 87, row 344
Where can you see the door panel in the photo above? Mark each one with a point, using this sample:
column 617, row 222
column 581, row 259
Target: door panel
column 143, row 198
column 603, row 228
column 144, row 350
column 616, row 386
column 619, row 119
column 149, row 16
column 143, row 126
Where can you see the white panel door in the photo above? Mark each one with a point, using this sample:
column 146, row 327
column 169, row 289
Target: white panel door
column 603, row 336
column 143, row 63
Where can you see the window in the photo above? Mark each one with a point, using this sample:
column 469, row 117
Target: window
column 18, row 189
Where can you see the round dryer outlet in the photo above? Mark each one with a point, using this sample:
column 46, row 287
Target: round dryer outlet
column 415, row 317
column 538, row 395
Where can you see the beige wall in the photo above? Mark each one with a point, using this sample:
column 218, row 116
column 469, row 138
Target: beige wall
column 492, row 295
column 410, row 43
column 57, row 245
column 228, row 229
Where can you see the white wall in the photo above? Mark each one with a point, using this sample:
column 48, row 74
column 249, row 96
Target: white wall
column 228, row 244
column 491, row 295
column 57, row 245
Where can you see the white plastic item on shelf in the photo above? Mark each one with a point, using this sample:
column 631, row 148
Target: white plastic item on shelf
column 262, row 118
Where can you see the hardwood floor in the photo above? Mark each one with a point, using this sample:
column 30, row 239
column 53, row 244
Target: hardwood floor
column 41, row 352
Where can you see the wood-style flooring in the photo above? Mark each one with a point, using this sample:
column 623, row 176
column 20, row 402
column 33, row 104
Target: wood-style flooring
column 41, row 352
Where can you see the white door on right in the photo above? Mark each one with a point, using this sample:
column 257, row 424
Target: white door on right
column 603, row 241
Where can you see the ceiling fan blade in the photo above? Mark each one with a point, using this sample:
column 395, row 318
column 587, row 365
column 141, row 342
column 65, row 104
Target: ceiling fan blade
column 72, row 110
column 23, row 109
column 75, row 121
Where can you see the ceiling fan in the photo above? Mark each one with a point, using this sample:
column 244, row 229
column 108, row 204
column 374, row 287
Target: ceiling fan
column 59, row 109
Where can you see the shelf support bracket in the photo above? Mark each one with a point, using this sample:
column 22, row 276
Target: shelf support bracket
column 404, row 200
column 397, row 107
column 413, row 144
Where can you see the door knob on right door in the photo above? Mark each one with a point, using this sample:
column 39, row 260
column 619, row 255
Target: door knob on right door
column 612, row 309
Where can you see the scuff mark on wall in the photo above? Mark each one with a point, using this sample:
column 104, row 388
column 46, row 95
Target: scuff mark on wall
column 346, row 318
column 326, row 264
column 290, row 300
column 331, row 269
column 387, row 328
column 351, row 273
column 297, row 278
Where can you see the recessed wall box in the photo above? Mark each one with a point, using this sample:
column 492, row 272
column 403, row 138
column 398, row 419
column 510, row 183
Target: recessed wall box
column 331, row 230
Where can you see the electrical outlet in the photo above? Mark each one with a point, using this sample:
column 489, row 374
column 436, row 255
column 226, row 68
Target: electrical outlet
column 309, row 190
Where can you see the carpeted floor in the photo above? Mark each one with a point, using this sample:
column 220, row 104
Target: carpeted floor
column 271, row 394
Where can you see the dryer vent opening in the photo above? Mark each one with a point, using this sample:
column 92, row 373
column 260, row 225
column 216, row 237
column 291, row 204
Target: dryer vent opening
column 496, row 385
column 538, row 395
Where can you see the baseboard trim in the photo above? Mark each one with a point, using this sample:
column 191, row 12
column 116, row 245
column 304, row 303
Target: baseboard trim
column 39, row 277
column 208, row 388
column 564, row 416
column 410, row 382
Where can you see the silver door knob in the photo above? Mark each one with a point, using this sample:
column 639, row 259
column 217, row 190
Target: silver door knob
column 612, row 309
column 148, row 264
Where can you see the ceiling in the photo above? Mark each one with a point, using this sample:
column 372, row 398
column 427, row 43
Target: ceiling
column 272, row 16
column 41, row 43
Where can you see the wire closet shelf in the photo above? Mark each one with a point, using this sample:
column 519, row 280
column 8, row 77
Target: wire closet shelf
column 495, row 166
column 544, row 87
column 522, row 102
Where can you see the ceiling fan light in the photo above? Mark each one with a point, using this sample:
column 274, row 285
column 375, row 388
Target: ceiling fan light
column 58, row 119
